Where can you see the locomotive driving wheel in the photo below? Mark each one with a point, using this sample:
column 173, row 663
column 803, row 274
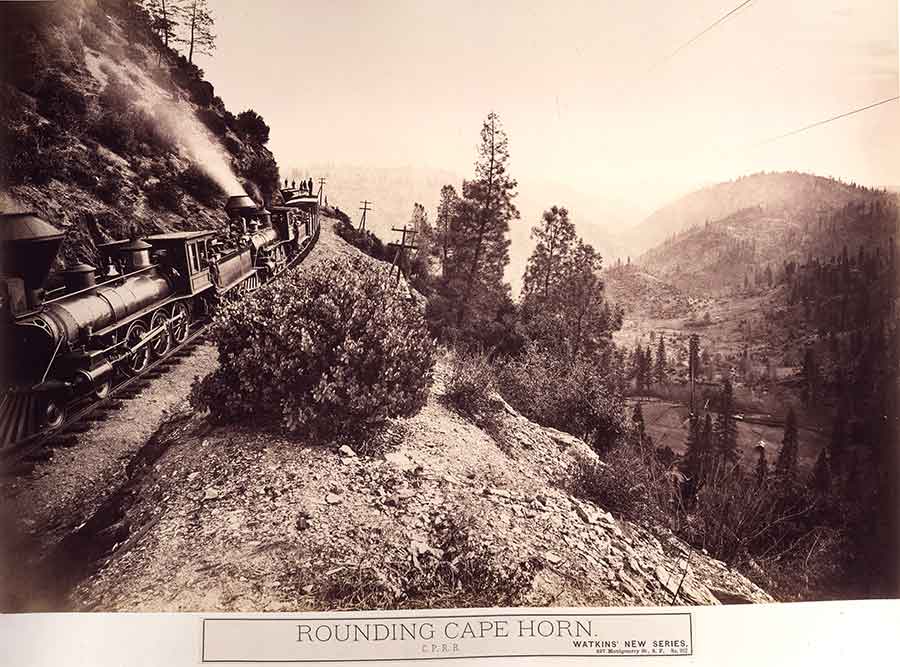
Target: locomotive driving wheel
column 101, row 390
column 163, row 341
column 181, row 322
column 54, row 415
column 138, row 360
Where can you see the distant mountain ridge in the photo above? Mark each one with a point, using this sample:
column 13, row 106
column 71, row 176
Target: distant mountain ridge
column 777, row 218
column 779, row 193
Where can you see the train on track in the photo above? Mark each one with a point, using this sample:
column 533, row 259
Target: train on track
column 67, row 338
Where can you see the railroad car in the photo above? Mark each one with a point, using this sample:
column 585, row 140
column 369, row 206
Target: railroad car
column 68, row 338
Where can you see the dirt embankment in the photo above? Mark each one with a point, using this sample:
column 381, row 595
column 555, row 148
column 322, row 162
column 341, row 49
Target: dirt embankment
column 442, row 514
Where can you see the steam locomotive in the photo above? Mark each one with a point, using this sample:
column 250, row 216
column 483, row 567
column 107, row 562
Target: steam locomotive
column 67, row 338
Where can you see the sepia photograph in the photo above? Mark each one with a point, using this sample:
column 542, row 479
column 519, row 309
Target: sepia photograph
column 371, row 306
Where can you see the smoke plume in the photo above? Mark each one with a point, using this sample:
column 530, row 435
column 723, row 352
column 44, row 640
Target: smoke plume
column 175, row 117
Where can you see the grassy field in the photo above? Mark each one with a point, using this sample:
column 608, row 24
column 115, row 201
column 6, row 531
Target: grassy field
column 666, row 423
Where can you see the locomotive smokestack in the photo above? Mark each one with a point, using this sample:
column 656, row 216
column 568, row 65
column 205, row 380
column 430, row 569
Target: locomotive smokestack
column 28, row 246
column 240, row 206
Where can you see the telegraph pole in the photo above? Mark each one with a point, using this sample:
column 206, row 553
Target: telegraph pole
column 402, row 247
column 365, row 209
column 322, row 180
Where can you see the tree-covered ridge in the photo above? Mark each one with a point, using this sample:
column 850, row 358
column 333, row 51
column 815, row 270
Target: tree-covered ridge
column 748, row 247
column 779, row 192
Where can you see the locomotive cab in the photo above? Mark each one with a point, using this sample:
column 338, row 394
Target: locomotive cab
column 185, row 256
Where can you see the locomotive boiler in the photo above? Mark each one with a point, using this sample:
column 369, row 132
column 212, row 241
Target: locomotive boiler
column 69, row 337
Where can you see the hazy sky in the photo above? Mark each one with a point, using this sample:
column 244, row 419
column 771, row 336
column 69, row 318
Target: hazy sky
column 584, row 89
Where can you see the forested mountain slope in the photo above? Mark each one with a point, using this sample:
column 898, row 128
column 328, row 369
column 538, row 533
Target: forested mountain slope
column 777, row 195
column 751, row 246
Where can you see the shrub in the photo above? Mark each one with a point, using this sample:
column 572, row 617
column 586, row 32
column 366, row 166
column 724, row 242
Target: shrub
column 572, row 395
column 164, row 194
column 470, row 383
column 263, row 170
column 459, row 571
column 202, row 93
column 213, row 121
column 233, row 145
column 26, row 61
column 366, row 241
column 151, row 137
column 110, row 188
column 118, row 95
column 82, row 172
column 200, row 185
column 30, row 154
column 137, row 54
column 92, row 38
column 252, row 126
column 334, row 351
column 110, row 130
column 626, row 483
column 59, row 100
column 131, row 131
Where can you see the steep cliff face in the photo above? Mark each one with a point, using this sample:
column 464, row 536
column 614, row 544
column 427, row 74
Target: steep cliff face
column 104, row 128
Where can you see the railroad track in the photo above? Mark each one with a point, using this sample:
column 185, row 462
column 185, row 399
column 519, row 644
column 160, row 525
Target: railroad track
column 23, row 455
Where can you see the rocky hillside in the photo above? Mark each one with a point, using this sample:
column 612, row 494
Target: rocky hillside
column 444, row 515
column 642, row 294
column 105, row 128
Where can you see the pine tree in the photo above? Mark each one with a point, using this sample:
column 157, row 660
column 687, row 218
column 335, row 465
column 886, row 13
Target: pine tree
column 198, row 24
column 786, row 466
column 693, row 458
column 662, row 370
column 588, row 320
column 166, row 16
column 762, row 466
column 821, row 477
column 638, row 368
column 810, row 377
column 707, row 437
column 481, row 250
column 444, row 233
column 564, row 308
column 637, row 419
column 423, row 240
column 726, row 428
column 694, row 356
column 546, row 266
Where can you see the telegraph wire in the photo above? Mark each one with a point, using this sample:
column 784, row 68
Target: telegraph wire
column 700, row 34
column 629, row 86
column 823, row 122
